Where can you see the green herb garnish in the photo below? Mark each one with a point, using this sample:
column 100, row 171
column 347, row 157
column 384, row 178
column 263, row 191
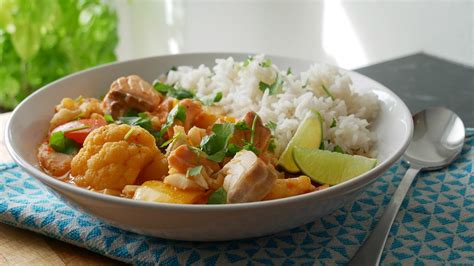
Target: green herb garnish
column 129, row 133
column 162, row 87
column 166, row 143
column 338, row 149
column 232, row 149
column 247, row 61
column 327, row 91
column 250, row 146
column 306, row 84
column 132, row 112
column 196, row 150
column 180, row 93
column 79, row 99
column 177, row 113
column 76, row 128
column 218, row 97
column 274, row 88
column 194, row 171
column 171, row 91
column 272, row 145
column 109, row 119
column 142, row 120
column 266, row 63
column 61, row 144
column 218, row 197
column 333, row 123
column 321, row 118
column 215, row 145
column 252, row 132
column 272, row 126
column 241, row 125
column 209, row 100
column 289, row 71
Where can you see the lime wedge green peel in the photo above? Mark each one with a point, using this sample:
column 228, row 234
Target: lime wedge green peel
column 326, row 167
column 308, row 135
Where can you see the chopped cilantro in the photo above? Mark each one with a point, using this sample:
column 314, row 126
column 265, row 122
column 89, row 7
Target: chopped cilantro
column 132, row 112
column 166, row 143
column 338, row 149
column 196, row 150
column 321, row 118
column 129, row 133
column 61, row 144
column 194, row 171
column 218, row 97
column 247, row 61
column 218, row 156
column 76, row 128
column 251, row 147
column 179, row 113
column 263, row 86
column 327, row 91
column 272, row 126
column 274, row 88
column 218, row 197
column 215, row 145
column 252, row 132
column 162, row 87
column 232, row 149
column 241, row 125
column 141, row 120
column 333, row 123
column 173, row 68
column 272, row 145
column 306, row 84
column 180, row 93
column 109, row 119
column 266, row 63
column 289, row 71
column 209, row 100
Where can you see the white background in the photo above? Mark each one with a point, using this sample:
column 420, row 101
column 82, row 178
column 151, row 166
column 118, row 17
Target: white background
column 350, row 34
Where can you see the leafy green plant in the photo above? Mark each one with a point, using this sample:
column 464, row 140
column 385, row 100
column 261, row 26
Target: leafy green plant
column 43, row 40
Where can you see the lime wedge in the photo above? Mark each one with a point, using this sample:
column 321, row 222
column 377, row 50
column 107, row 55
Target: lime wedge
column 326, row 167
column 308, row 135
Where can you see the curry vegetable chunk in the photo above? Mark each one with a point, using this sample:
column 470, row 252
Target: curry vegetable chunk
column 108, row 160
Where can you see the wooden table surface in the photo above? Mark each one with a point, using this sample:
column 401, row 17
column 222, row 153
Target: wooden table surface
column 22, row 247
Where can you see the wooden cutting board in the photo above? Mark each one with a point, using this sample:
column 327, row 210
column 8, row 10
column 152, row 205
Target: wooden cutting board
column 22, row 247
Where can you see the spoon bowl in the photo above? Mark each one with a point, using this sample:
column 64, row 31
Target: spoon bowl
column 438, row 138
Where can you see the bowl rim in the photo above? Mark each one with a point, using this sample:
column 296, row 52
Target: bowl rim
column 333, row 191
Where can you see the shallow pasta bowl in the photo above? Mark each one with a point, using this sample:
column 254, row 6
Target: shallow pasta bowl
column 29, row 124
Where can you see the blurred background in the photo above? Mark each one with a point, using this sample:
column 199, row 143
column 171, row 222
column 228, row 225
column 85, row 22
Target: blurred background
column 43, row 40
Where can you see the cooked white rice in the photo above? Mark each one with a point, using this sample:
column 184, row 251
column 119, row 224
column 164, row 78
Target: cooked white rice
column 300, row 95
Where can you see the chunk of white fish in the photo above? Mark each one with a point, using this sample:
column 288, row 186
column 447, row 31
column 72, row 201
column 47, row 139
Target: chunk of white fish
column 247, row 178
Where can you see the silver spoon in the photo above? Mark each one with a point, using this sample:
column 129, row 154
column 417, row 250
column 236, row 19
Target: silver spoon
column 438, row 138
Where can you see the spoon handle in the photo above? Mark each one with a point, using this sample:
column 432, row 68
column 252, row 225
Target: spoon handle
column 371, row 251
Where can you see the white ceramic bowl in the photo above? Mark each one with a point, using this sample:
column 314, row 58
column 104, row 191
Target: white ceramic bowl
column 29, row 123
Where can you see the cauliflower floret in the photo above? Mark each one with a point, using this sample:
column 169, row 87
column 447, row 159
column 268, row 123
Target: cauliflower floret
column 110, row 160
column 70, row 109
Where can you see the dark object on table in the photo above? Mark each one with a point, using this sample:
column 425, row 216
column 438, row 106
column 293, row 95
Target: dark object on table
column 422, row 81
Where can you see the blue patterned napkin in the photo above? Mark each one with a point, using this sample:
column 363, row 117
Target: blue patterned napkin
column 435, row 225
